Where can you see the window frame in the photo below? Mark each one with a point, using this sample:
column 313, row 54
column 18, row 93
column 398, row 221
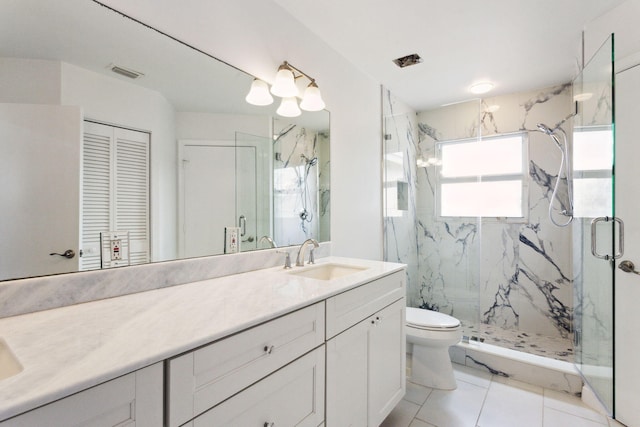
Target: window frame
column 523, row 176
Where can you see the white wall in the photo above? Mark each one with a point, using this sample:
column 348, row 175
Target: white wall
column 220, row 126
column 256, row 36
column 121, row 103
column 623, row 22
column 30, row 81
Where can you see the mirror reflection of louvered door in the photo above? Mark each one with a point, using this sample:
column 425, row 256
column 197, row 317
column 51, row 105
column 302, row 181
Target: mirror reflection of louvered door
column 115, row 194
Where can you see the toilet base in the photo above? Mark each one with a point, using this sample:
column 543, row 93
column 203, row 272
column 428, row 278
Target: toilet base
column 431, row 367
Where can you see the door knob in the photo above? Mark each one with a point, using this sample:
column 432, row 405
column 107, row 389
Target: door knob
column 69, row 253
column 628, row 267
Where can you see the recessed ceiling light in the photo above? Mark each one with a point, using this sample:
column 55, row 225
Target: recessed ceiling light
column 481, row 87
column 408, row 60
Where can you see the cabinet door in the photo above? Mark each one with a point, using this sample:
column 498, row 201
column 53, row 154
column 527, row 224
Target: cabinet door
column 292, row 396
column 366, row 369
column 347, row 377
column 131, row 400
column 387, row 361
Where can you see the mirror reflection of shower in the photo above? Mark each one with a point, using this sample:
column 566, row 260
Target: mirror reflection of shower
column 305, row 214
column 565, row 208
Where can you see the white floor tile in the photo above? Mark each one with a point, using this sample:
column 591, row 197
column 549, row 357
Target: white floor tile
column 511, row 403
column 417, row 393
column 402, row 415
column 555, row 418
column 457, row 408
column 419, row 423
column 471, row 375
column 571, row 404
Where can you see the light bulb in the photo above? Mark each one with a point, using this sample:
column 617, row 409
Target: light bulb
column 259, row 93
column 289, row 107
column 285, row 83
column 312, row 100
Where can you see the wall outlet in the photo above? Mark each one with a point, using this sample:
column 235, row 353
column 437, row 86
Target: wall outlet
column 231, row 240
column 116, row 249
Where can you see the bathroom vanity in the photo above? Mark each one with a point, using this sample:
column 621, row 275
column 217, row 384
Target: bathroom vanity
column 315, row 345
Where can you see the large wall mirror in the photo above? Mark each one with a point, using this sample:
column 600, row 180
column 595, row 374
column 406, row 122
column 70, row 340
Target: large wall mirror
column 120, row 146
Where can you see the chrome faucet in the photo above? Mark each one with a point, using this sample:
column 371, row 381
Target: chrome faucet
column 300, row 258
column 272, row 244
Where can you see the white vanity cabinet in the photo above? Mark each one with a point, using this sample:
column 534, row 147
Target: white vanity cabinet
column 366, row 352
column 135, row 399
column 203, row 378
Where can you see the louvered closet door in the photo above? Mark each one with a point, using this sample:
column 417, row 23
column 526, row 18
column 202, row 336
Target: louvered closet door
column 115, row 192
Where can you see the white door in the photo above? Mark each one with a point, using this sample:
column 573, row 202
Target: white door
column 207, row 201
column 627, row 285
column 115, row 195
column 40, row 191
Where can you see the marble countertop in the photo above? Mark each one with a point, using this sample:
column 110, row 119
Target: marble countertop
column 69, row 349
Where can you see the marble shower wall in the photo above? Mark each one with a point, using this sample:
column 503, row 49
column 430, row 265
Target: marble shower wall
column 300, row 184
column 515, row 275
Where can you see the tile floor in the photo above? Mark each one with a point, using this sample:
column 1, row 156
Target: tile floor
column 484, row 400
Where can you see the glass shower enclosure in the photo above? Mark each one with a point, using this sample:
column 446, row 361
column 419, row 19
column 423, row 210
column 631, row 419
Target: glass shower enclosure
column 595, row 229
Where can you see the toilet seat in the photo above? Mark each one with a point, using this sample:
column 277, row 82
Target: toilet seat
column 430, row 320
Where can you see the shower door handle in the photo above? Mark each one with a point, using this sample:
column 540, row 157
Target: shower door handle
column 594, row 238
column 628, row 267
column 242, row 223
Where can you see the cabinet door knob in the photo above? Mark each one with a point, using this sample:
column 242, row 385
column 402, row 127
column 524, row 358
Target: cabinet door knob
column 268, row 424
column 268, row 349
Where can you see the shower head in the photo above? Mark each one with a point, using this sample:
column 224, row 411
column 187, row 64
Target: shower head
column 544, row 128
column 309, row 161
column 551, row 132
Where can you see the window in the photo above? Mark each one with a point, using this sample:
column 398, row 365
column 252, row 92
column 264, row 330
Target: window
column 482, row 177
column 592, row 165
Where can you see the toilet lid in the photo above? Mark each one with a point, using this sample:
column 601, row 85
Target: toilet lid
column 421, row 318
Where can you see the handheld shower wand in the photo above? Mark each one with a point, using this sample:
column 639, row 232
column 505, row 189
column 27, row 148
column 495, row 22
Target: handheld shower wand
column 564, row 167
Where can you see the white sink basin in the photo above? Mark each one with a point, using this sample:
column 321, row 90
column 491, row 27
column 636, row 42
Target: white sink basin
column 328, row 271
column 9, row 365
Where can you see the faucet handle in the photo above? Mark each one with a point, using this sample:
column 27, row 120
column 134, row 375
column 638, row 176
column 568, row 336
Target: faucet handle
column 312, row 258
column 287, row 259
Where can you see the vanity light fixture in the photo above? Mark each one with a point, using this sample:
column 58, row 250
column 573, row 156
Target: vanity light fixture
column 285, row 87
column 481, row 87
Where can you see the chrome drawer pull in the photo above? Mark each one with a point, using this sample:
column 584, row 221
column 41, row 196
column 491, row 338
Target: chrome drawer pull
column 269, row 349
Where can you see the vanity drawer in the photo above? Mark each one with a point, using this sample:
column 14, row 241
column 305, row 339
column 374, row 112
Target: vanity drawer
column 348, row 308
column 201, row 379
column 292, row 396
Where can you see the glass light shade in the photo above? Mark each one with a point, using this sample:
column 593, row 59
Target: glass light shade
column 285, row 83
column 289, row 107
column 259, row 93
column 312, row 100
column 481, row 87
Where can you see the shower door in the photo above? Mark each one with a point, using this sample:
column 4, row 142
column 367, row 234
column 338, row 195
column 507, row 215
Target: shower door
column 595, row 232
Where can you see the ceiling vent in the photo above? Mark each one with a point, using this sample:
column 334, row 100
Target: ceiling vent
column 408, row 60
column 132, row 74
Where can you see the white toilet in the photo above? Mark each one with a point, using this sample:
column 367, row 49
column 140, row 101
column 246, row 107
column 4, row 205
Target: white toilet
column 431, row 334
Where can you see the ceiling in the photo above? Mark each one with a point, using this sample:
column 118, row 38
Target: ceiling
column 93, row 37
column 516, row 44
